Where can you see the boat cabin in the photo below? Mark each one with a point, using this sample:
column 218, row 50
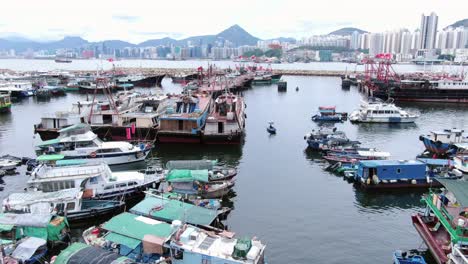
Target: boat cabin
column 448, row 136
column 46, row 226
column 187, row 114
column 391, row 171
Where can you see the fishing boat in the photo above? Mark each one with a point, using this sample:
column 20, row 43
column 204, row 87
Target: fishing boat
column 447, row 90
column 29, row 250
column 215, row 171
column 324, row 139
column 329, row 114
column 97, row 180
column 444, row 224
column 410, row 257
column 196, row 183
column 460, row 162
column 377, row 111
column 444, row 142
column 353, row 158
column 54, row 229
column 184, row 119
column 61, row 59
column 374, row 174
column 18, row 89
column 261, row 78
column 270, row 128
column 139, row 80
column 163, row 208
column 79, row 142
column 226, row 122
column 82, row 253
column 50, row 91
column 147, row 240
column 68, row 202
column 5, row 102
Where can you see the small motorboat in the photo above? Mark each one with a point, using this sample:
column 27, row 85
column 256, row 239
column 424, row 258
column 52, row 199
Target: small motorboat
column 410, row 257
column 8, row 164
column 271, row 129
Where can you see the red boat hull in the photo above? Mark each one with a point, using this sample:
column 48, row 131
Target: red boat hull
column 440, row 255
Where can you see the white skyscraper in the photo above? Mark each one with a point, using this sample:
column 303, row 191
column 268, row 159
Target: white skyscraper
column 376, row 44
column 428, row 31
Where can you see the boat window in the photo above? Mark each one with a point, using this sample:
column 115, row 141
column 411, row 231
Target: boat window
column 381, row 111
column 109, row 187
column 70, row 206
column 93, row 180
column 132, row 183
column 375, row 112
column 368, row 111
column 85, row 144
column 109, row 150
column 398, row 171
column 59, row 207
column 120, row 185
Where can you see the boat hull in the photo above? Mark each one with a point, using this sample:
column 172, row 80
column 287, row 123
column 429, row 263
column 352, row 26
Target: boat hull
column 424, row 95
column 115, row 159
column 435, row 147
column 390, row 120
column 227, row 139
column 439, row 254
column 169, row 137
column 88, row 214
column 399, row 185
column 150, row 81
column 5, row 109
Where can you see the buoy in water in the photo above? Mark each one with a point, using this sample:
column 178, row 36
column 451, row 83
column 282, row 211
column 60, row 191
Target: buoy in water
column 297, row 88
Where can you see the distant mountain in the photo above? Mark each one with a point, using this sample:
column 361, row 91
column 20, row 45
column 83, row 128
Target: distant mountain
column 158, row 42
column 238, row 36
column 115, row 44
column 460, row 23
column 234, row 34
column 346, row 31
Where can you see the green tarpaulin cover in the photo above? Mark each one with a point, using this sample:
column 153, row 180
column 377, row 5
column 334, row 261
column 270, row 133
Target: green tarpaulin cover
column 167, row 210
column 136, row 227
column 49, row 142
column 187, row 175
column 458, row 188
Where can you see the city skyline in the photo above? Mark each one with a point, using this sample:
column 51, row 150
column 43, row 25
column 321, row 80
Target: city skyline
column 103, row 20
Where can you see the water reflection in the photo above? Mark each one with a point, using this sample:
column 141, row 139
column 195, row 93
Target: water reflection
column 388, row 199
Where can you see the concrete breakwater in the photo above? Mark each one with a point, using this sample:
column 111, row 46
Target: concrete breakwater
column 188, row 71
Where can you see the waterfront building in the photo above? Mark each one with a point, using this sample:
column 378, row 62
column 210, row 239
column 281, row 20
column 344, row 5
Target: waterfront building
column 428, row 31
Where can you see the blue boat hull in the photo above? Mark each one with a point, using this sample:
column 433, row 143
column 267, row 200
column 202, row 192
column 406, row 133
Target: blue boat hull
column 410, row 259
column 318, row 118
column 435, row 147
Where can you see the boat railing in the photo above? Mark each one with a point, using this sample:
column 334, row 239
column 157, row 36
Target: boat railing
column 66, row 173
column 457, row 256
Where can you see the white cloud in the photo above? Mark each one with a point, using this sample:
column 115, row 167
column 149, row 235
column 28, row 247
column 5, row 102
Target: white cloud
column 136, row 20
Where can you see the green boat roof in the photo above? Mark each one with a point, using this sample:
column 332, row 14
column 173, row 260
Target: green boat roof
column 169, row 210
column 49, row 142
column 136, row 227
column 67, row 253
column 123, row 240
column 73, row 127
column 69, row 162
column 458, row 188
column 52, row 157
column 6, row 227
column 187, row 175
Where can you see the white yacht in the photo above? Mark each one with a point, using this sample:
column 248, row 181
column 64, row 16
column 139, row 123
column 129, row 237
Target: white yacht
column 79, row 142
column 378, row 111
column 97, row 180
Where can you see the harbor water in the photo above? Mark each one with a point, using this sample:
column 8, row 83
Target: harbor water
column 284, row 195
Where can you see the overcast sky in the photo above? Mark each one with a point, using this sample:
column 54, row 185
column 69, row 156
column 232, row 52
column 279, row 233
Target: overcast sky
column 139, row 20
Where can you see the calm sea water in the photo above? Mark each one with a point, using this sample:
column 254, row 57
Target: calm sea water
column 283, row 194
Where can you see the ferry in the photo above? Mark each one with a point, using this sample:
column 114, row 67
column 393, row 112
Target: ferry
column 377, row 111
column 184, row 119
column 444, row 224
column 444, row 141
column 79, row 142
column 226, row 122
column 97, row 180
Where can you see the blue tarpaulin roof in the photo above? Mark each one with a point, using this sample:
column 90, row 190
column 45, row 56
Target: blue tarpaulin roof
column 435, row 162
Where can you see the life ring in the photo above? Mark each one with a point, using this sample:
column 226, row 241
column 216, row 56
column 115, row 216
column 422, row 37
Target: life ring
column 93, row 154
